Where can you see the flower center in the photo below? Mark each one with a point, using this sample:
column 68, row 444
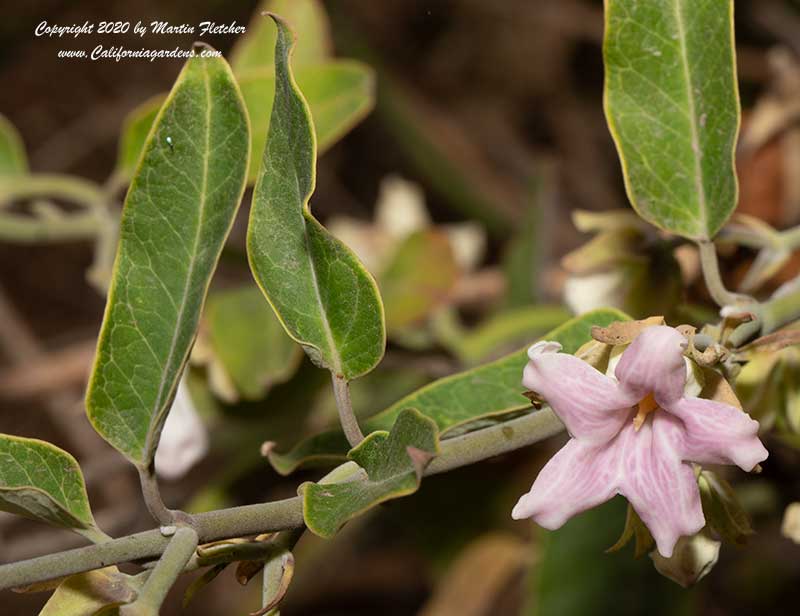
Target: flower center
column 646, row 406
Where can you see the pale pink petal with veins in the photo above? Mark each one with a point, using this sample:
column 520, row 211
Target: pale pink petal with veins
column 591, row 404
column 654, row 363
column 717, row 433
column 660, row 487
column 580, row 476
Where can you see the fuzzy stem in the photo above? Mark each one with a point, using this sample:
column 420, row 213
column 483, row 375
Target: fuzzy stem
column 710, row 266
column 152, row 496
column 341, row 390
column 274, row 516
column 154, row 502
column 171, row 564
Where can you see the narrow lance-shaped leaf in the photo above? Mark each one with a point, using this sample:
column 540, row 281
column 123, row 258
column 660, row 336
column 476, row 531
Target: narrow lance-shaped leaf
column 178, row 212
column 339, row 93
column 40, row 481
column 672, row 106
column 322, row 294
column 486, row 394
column 393, row 463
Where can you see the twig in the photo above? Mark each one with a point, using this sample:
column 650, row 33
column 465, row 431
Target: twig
column 169, row 567
column 274, row 516
column 341, row 390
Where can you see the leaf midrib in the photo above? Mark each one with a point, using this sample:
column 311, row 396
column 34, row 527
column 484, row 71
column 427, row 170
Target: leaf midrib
column 159, row 411
column 695, row 134
column 326, row 326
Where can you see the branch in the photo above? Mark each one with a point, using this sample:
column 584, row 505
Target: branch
column 274, row 516
column 169, row 567
column 211, row 526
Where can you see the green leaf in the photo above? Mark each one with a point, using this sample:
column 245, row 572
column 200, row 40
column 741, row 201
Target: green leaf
column 178, row 212
column 393, row 463
column 672, row 106
column 249, row 341
column 40, row 481
column 454, row 402
column 135, row 130
column 256, row 49
column 418, row 279
column 324, row 297
column 339, row 93
column 13, row 160
column 87, row 594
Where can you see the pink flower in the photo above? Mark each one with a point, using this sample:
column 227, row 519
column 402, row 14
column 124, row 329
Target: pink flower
column 634, row 435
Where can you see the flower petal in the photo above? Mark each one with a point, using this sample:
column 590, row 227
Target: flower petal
column 654, row 363
column 591, row 405
column 580, row 476
column 660, row 487
column 718, row 433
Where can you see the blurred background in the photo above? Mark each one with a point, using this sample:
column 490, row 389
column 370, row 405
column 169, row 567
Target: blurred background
column 488, row 131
